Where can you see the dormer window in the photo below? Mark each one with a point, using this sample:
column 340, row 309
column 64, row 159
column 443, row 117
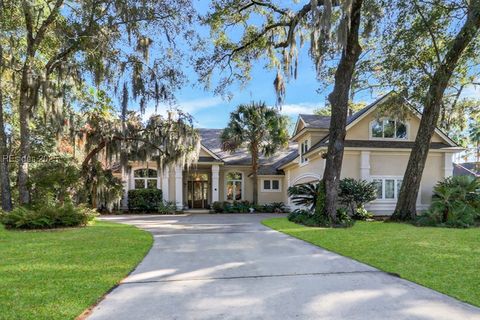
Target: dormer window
column 388, row 129
column 303, row 150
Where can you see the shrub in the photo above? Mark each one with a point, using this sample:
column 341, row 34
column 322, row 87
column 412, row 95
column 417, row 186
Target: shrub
column 55, row 180
column 311, row 219
column 217, row 207
column 47, row 217
column 455, row 203
column 305, row 194
column 167, row 207
column 354, row 194
column 146, row 200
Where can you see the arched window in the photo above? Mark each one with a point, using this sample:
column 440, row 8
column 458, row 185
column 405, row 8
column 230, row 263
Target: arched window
column 234, row 186
column 388, row 129
column 145, row 179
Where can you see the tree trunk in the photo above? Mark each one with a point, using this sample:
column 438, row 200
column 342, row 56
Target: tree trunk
column 406, row 205
column 4, row 172
column 338, row 121
column 24, row 119
column 255, row 173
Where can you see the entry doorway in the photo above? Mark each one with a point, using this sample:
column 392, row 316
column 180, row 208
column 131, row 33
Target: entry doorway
column 197, row 191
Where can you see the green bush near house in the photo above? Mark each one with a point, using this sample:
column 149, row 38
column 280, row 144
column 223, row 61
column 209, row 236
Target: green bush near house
column 144, row 200
column 455, row 203
column 245, row 206
column 167, row 207
column 47, row 216
column 354, row 194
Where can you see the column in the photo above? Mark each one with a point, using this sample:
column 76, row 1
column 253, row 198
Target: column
column 448, row 165
column 215, row 182
column 365, row 165
column 179, row 187
column 287, row 177
column 165, row 185
column 126, row 187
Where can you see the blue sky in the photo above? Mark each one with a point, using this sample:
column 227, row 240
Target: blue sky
column 302, row 94
column 212, row 111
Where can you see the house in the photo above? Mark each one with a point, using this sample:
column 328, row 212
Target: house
column 375, row 150
column 466, row 169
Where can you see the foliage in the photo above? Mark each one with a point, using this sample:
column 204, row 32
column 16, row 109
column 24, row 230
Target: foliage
column 101, row 189
column 71, row 268
column 308, row 218
column 405, row 250
column 260, row 129
column 167, row 207
column 47, row 216
column 57, row 179
column 455, row 203
column 144, row 200
column 305, row 194
column 245, row 206
column 354, row 194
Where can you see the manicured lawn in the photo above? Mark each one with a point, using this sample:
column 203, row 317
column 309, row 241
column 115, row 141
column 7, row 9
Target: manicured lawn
column 447, row 260
column 59, row 274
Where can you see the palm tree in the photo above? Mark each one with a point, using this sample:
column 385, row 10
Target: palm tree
column 305, row 194
column 260, row 129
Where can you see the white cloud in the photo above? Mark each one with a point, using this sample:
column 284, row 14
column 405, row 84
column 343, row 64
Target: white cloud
column 297, row 108
column 189, row 106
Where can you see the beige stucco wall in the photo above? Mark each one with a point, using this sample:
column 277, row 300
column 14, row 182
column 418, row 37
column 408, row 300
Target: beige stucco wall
column 361, row 130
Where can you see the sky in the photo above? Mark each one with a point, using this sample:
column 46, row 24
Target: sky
column 302, row 94
column 210, row 111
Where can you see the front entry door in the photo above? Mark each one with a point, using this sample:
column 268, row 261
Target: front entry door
column 197, row 194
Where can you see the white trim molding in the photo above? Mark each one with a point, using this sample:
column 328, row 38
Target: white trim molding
column 215, row 182
column 179, row 187
column 306, row 175
column 448, row 164
column 365, row 165
column 262, row 185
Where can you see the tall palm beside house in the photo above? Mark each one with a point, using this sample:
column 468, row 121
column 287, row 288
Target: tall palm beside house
column 260, row 129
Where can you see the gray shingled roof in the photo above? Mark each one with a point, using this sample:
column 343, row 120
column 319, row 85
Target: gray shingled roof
column 315, row 121
column 466, row 169
column 210, row 139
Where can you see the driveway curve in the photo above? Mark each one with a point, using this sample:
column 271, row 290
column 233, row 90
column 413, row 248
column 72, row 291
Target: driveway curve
column 233, row 267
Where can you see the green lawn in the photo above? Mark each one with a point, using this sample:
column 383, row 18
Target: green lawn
column 447, row 260
column 59, row 274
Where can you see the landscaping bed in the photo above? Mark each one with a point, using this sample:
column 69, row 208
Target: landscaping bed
column 443, row 259
column 57, row 274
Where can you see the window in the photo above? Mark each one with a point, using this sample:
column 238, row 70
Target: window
column 271, row 185
column 388, row 188
column 234, row 186
column 303, row 150
column 145, row 179
column 388, row 129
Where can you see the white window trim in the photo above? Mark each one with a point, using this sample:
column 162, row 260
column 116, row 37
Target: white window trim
column 145, row 180
column 371, row 137
column 271, row 184
column 226, row 185
column 395, row 191
column 303, row 160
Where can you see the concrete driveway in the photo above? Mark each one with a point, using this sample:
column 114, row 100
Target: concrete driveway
column 232, row 267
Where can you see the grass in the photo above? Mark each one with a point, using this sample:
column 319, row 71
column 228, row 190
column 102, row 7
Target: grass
column 446, row 260
column 58, row 274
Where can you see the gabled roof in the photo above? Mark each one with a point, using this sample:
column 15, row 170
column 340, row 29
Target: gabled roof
column 355, row 118
column 315, row 121
column 210, row 139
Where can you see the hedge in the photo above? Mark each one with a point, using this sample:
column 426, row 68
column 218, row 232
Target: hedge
column 146, row 200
